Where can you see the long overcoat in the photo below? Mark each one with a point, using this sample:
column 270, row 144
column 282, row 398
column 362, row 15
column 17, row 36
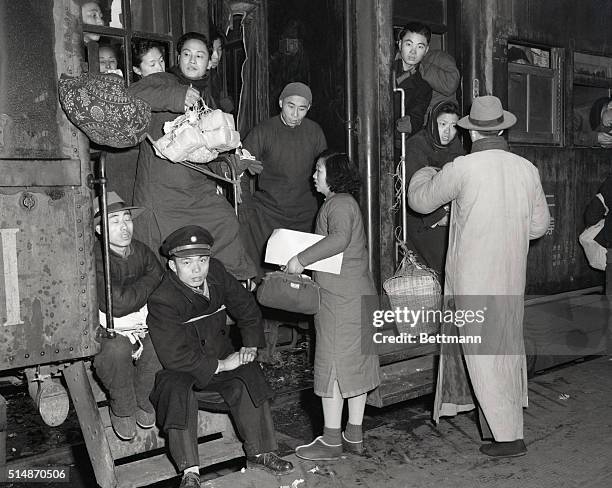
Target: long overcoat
column 176, row 196
column 498, row 205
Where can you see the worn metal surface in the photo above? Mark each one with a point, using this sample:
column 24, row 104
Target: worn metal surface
column 46, row 297
column 28, row 94
column 48, row 305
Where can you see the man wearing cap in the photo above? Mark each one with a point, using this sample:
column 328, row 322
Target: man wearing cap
column 498, row 205
column 287, row 145
column 187, row 322
column 126, row 364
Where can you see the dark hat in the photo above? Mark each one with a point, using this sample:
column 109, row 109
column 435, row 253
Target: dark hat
column 487, row 113
column 114, row 203
column 596, row 112
column 191, row 240
column 296, row 88
column 100, row 105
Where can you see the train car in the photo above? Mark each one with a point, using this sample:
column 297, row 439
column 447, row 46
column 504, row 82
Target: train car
column 344, row 49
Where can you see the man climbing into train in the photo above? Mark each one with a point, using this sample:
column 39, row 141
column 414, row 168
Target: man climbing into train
column 187, row 321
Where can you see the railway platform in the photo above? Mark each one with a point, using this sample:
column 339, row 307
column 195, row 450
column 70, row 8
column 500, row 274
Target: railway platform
column 568, row 429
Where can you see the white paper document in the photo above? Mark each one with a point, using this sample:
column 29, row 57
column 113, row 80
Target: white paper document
column 284, row 244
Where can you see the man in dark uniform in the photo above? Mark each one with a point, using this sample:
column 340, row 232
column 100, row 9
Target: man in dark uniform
column 187, row 324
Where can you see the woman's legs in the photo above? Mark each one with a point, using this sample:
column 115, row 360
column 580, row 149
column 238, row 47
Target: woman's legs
column 332, row 408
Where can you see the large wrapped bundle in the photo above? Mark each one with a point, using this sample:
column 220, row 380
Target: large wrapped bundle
column 178, row 144
column 101, row 107
column 198, row 136
column 415, row 287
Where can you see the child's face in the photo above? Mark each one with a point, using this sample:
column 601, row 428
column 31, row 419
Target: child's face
column 217, row 52
column 191, row 270
column 413, row 48
column 120, row 230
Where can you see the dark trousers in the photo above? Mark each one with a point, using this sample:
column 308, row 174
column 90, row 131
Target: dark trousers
column 254, row 424
column 128, row 383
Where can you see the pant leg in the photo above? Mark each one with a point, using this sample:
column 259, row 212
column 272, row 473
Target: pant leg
column 485, row 430
column 114, row 367
column 146, row 367
column 254, row 424
column 183, row 443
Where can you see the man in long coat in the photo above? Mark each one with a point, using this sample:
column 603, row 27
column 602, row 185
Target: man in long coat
column 187, row 324
column 498, row 205
column 287, row 145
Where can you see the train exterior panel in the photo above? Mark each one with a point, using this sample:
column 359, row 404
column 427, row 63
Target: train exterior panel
column 48, row 303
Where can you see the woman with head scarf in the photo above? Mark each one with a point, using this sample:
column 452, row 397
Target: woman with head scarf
column 435, row 145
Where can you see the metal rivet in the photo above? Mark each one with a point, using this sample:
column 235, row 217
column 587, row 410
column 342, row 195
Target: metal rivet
column 42, row 353
column 27, row 356
column 57, row 351
column 80, row 249
column 71, row 348
column 86, row 347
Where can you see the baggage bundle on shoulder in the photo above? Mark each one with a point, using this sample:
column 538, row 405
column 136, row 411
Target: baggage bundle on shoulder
column 198, row 136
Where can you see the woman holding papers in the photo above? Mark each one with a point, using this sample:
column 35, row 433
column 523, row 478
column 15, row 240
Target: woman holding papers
column 346, row 364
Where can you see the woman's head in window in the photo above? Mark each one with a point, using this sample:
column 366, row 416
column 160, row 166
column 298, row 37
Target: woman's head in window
column 218, row 41
column 91, row 14
column 193, row 55
column 148, row 57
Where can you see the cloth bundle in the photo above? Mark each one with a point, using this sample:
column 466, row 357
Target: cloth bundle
column 291, row 292
column 198, row 136
column 101, row 107
column 415, row 287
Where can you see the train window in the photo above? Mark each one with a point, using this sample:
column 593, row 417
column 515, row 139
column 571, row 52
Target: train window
column 592, row 106
column 150, row 16
column 110, row 39
column 535, row 94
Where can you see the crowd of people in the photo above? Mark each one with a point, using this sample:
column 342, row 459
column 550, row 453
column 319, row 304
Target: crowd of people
column 471, row 218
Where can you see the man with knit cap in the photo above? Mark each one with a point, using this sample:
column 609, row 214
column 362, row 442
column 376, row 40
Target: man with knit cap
column 287, row 145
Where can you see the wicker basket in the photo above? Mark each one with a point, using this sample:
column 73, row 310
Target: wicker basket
column 415, row 287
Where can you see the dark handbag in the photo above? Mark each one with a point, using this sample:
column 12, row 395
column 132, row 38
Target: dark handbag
column 291, row 292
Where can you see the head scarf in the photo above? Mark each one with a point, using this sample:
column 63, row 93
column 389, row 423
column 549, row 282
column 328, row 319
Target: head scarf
column 433, row 136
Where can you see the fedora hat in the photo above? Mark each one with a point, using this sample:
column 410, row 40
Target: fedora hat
column 114, row 203
column 487, row 113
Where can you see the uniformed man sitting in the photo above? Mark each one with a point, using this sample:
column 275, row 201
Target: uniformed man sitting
column 187, row 323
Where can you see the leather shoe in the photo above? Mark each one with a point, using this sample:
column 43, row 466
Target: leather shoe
column 354, row 447
column 190, row 480
column 319, row 450
column 504, row 449
column 271, row 462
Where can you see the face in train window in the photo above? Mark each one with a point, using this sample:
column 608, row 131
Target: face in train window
column 148, row 57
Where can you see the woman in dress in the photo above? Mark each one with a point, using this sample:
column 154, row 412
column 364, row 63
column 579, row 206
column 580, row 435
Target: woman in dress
column 346, row 363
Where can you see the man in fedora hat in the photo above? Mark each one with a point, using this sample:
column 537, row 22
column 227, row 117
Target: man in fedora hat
column 127, row 363
column 498, row 205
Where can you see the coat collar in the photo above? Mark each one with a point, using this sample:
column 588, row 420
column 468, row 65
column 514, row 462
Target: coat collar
column 495, row 142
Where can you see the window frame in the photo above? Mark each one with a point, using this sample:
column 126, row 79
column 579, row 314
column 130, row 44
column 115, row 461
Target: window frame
column 555, row 73
column 126, row 33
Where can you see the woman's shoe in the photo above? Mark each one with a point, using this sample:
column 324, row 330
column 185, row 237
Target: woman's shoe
column 354, row 447
column 319, row 450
